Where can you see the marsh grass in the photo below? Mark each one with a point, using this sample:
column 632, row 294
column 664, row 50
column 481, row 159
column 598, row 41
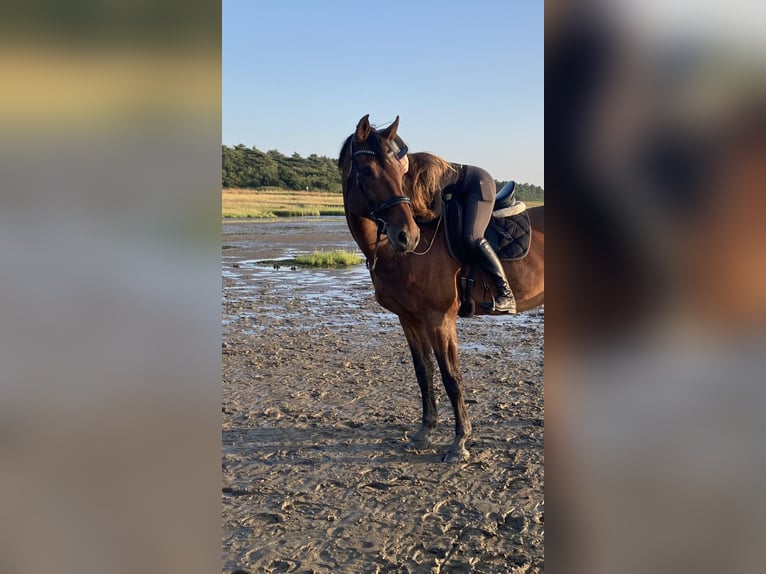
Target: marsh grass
column 336, row 258
column 271, row 203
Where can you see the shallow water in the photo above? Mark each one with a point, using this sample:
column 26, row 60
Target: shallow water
column 335, row 295
column 265, row 291
column 287, row 237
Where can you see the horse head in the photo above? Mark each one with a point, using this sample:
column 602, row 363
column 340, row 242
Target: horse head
column 372, row 183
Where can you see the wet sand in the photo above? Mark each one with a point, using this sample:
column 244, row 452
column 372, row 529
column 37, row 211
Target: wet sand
column 319, row 397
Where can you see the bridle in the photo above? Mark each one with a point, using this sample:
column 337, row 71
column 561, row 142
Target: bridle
column 376, row 213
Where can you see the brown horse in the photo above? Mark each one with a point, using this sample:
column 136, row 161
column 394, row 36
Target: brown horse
column 411, row 267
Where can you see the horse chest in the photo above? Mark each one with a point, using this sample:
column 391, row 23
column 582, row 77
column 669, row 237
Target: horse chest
column 407, row 291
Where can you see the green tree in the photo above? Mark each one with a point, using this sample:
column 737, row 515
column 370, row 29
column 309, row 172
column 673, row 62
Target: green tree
column 246, row 167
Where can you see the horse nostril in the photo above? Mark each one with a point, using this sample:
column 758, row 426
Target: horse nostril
column 403, row 239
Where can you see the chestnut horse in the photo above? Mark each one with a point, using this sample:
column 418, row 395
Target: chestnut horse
column 411, row 267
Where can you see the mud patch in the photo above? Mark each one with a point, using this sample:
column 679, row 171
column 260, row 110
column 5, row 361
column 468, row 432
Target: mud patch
column 319, row 398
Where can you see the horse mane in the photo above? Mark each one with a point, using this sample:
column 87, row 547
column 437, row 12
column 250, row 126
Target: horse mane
column 343, row 154
column 423, row 183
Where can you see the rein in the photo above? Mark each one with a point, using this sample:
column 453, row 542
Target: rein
column 430, row 244
column 433, row 237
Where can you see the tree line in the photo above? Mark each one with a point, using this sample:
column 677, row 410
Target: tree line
column 250, row 168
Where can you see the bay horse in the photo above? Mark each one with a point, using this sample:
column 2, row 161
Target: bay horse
column 412, row 270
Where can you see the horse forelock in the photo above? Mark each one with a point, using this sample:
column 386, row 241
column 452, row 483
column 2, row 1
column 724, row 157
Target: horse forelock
column 375, row 142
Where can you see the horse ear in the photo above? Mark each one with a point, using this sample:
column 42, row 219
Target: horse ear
column 363, row 129
column 390, row 132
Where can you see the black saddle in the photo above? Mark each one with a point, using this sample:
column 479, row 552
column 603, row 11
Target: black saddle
column 510, row 236
column 506, row 196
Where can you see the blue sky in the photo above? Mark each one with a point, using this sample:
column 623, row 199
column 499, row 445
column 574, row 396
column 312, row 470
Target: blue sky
column 466, row 78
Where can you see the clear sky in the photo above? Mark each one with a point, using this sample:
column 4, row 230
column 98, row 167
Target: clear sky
column 466, row 78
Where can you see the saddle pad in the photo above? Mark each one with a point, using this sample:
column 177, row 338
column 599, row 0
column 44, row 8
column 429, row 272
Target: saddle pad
column 514, row 209
column 510, row 236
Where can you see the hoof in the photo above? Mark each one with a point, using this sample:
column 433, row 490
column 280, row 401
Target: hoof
column 421, row 440
column 456, row 455
column 419, row 443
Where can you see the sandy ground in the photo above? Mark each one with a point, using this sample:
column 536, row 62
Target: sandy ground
column 319, row 398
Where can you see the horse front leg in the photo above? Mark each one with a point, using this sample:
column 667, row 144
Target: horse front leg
column 444, row 341
column 424, row 372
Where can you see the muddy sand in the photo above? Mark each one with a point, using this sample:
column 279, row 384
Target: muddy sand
column 319, row 397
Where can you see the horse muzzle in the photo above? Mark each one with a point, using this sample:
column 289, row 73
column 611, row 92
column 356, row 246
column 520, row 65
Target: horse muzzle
column 404, row 241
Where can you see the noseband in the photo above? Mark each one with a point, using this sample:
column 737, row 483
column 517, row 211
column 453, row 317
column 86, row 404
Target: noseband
column 375, row 213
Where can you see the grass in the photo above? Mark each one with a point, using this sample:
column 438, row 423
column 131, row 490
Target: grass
column 336, row 258
column 271, row 203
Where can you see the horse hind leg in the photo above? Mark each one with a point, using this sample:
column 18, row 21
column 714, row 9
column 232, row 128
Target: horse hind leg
column 424, row 372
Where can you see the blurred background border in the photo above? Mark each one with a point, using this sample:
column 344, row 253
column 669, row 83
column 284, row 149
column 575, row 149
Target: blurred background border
column 656, row 307
column 110, row 312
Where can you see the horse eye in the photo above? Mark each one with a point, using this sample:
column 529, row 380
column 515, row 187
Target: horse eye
column 367, row 171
